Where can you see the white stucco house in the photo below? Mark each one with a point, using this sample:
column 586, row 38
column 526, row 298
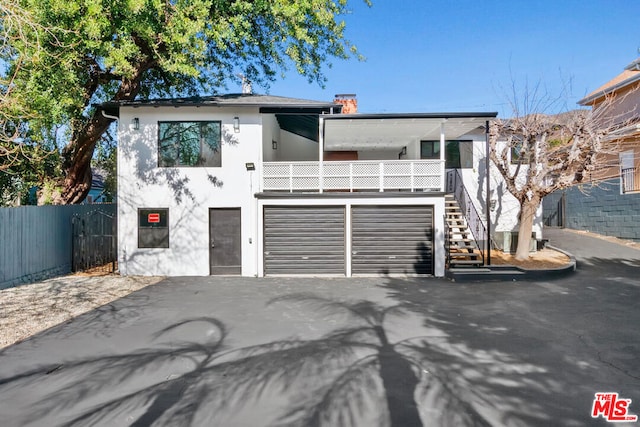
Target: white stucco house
column 257, row 185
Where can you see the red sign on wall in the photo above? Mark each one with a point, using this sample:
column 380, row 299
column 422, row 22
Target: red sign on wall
column 153, row 218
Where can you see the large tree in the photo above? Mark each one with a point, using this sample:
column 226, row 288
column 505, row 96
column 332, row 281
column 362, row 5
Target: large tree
column 538, row 153
column 24, row 162
column 83, row 52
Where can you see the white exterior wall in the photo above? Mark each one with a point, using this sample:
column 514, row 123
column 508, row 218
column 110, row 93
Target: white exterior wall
column 504, row 217
column 187, row 191
column 292, row 147
column 270, row 133
column 438, row 218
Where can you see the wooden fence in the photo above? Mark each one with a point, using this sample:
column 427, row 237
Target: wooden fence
column 36, row 241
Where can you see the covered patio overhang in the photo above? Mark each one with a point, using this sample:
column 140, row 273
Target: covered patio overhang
column 372, row 132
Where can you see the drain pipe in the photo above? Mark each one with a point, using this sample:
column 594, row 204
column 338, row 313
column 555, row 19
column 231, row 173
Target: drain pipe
column 124, row 256
column 109, row 116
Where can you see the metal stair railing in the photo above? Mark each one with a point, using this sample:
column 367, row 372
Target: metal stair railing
column 447, row 241
column 475, row 223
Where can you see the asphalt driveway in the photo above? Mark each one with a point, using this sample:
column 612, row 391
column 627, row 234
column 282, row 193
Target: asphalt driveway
column 366, row 352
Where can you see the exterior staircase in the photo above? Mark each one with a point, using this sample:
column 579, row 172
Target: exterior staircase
column 462, row 248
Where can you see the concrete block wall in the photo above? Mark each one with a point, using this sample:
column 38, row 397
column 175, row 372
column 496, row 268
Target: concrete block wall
column 600, row 209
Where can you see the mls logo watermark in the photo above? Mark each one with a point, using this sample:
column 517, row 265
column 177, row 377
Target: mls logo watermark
column 612, row 408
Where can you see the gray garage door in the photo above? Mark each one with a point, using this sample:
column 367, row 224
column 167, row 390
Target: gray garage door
column 304, row 240
column 392, row 239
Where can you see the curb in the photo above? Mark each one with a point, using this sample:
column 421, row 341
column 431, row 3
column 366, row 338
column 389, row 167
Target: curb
column 510, row 273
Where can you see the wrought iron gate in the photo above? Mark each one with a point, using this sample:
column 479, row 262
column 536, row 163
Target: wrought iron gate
column 94, row 241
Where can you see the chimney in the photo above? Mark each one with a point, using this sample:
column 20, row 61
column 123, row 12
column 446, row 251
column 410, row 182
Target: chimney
column 348, row 101
column 246, row 84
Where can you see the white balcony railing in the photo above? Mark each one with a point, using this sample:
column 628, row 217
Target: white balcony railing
column 387, row 175
column 630, row 180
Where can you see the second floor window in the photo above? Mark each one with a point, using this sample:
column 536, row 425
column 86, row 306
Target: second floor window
column 189, row 144
column 458, row 154
column 520, row 154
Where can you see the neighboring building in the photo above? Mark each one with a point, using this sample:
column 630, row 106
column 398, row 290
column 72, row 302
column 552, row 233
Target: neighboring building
column 618, row 100
column 260, row 185
column 608, row 201
column 97, row 193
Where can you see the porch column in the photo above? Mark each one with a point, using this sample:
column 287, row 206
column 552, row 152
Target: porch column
column 442, row 156
column 487, row 165
column 321, row 153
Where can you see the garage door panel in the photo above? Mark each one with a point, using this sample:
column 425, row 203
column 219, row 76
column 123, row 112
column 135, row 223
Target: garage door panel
column 392, row 239
column 304, row 240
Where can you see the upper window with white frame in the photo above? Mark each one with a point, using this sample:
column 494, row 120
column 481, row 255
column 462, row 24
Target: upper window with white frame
column 186, row 144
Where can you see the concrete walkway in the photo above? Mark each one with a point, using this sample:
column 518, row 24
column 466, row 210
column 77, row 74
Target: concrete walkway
column 337, row 352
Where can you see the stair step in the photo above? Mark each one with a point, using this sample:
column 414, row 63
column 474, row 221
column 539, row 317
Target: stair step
column 466, row 249
column 465, row 262
column 460, row 255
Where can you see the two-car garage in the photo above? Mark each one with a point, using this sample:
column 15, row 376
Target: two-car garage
column 348, row 239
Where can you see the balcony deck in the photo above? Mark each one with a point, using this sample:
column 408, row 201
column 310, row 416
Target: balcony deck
column 362, row 175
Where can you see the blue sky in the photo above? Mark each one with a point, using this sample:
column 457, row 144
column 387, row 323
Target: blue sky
column 439, row 56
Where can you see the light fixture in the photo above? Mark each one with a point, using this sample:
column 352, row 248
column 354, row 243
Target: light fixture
column 135, row 123
column 236, row 124
column 250, row 166
column 274, row 145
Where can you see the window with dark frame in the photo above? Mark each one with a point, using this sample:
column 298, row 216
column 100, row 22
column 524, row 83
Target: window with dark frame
column 458, row 154
column 153, row 228
column 429, row 149
column 188, row 144
column 517, row 152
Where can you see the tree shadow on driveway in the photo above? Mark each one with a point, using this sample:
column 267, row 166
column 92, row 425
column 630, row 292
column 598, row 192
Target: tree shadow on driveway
column 355, row 374
column 421, row 355
column 527, row 353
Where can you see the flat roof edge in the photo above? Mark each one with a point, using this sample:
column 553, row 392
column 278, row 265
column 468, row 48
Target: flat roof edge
column 465, row 115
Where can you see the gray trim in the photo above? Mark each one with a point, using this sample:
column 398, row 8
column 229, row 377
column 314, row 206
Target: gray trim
column 308, row 109
column 344, row 195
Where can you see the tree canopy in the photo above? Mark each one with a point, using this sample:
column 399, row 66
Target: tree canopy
column 62, row 57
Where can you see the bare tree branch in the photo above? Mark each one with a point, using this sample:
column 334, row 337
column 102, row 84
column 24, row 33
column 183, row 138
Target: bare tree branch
column 555, row 151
